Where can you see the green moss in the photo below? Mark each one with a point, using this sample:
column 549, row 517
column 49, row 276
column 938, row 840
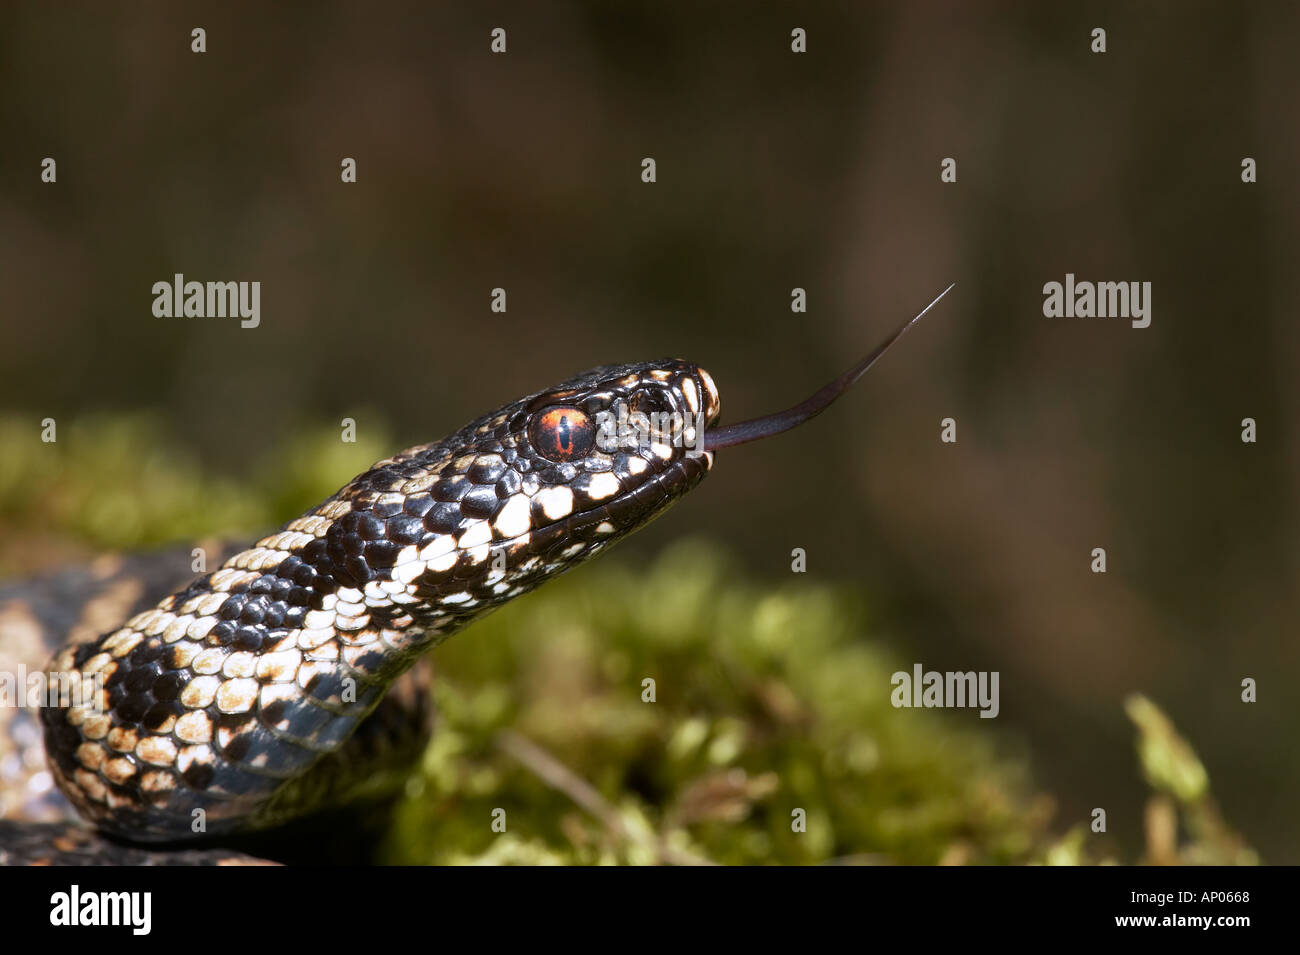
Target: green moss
column 110, row 482
column 1183, row 824
column 768, row 703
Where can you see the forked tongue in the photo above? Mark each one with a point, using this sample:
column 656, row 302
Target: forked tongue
column 768, row 425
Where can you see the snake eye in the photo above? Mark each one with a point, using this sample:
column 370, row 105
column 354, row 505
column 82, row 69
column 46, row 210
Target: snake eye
column 562, row 434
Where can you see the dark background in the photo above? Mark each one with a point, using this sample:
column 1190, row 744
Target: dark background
column 775, row 170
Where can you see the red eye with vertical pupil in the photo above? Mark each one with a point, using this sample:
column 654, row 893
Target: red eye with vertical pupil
column 562, row 434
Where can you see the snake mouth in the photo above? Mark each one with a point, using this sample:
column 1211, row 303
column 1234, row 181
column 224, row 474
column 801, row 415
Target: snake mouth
column 755, row 428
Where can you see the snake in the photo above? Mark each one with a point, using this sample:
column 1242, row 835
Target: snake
column 286, row 681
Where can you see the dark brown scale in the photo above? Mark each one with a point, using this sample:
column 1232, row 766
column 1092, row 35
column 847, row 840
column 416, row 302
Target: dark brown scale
column 254, row 610
column 366, row 526
column 355, row 573
column 168, row 686
column 141, row 679
column 418, row 505
column 147, row 652
column 480, row 502
column 132, row 708
column 223, row 634
column 198, row 775
column 451, row 490
column 232, row 608
column 313, row 557
column 237, row 748
column 486, row 471
column 160, row 712
column 381, row 555
column 405, row 530
column 509, row 484
column 250, row 638
column 445, row 518
column 386, row 509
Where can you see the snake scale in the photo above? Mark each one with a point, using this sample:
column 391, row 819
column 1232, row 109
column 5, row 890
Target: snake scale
column 282, row 682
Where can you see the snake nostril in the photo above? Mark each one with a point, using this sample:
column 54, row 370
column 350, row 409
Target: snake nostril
column 652, row 401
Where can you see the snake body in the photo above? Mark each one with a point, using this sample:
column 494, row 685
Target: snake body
column 282, row 682
column 250, row 696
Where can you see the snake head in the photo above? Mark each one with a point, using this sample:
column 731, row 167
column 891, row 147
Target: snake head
column 446, row 531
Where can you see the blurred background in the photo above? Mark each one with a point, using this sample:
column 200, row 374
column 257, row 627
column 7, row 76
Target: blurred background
column 775, row 170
